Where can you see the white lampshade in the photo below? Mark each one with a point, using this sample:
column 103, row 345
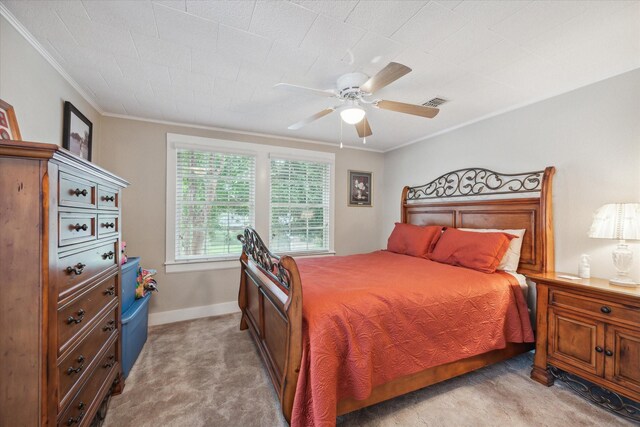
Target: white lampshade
column 352, row 115
column 620, row 221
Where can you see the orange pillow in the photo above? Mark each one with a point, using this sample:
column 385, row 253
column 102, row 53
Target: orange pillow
column 479, row 251
column 413, row 240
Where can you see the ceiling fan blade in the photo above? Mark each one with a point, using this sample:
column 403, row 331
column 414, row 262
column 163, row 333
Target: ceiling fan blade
column 363, row 128
column 302, row 89
column 401, row 107
column 310, row 119
column 389, row 74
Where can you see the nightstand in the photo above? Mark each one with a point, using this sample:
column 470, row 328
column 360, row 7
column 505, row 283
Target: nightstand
column 589, row 329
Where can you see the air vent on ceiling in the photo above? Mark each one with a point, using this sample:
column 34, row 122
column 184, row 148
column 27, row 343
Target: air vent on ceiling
column 435, row 102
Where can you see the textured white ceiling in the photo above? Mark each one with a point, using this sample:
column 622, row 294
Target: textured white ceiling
column 214, row 63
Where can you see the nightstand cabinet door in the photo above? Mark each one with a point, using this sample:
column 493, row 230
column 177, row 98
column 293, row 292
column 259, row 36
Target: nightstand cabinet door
column 623, row 365
column 576, row 340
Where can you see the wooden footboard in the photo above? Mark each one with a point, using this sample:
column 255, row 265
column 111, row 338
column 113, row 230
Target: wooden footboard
column 270, row 299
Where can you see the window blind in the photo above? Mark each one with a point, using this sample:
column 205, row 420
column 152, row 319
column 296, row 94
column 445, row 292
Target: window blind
column 300, row 204
column 215, row 201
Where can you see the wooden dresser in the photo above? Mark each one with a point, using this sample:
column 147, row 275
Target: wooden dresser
column 60, row 287
column 591, row 329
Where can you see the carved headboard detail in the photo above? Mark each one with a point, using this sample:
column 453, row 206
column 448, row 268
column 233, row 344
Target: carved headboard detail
column 530, row 208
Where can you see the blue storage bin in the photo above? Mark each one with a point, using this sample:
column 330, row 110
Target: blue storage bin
column 129, row 282
column 134, row 332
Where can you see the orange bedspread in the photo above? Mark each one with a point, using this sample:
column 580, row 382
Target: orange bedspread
column 372, row 318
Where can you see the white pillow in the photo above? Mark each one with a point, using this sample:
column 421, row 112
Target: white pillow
column 511, row 258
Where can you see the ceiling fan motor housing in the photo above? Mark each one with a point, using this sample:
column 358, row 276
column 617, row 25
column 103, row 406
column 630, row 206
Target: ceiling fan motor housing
column 348, row 85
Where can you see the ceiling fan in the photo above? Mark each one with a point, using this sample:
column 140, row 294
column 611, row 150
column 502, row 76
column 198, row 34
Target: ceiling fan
column 353, row 90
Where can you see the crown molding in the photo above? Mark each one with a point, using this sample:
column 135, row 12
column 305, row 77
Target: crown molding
column 238, row 132
column 11, row 19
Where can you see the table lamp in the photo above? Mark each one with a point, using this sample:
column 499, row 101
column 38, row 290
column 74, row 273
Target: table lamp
column 620, row 221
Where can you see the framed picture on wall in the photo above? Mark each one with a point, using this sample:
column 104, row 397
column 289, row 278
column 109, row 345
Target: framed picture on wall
column 360, row 188
column 77, row 132
column 8, row 122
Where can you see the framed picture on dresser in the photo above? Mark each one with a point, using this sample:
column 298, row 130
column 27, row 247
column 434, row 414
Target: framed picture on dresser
column 360, row 188
column 8, row 122
column 77, row 132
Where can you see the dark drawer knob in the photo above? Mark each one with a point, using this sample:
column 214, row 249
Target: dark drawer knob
column 608, row 353
column 111, row 290
column 79, row 227
column 81, row 405
column 109, row 225
column 605, row 309
column 74, row 320
column 109, row 198
column 79, row 192
column 111, row 360
column 76, row 269
column 108, row 255
column 110, row 326
column 598, row 349
column 71, row 421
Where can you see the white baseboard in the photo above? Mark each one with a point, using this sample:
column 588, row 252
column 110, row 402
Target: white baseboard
column 193, row 313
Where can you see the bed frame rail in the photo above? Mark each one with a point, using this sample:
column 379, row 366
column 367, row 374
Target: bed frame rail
column 270, row 299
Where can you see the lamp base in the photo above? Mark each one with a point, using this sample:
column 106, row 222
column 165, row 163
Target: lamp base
column 623, row 281
column 622, row 259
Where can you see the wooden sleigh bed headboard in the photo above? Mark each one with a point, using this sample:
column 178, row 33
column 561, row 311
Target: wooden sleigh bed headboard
column 270, row 294
column 481, row 198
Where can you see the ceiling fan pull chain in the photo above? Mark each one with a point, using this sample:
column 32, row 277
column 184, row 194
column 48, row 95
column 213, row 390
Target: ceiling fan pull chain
column 340, row 133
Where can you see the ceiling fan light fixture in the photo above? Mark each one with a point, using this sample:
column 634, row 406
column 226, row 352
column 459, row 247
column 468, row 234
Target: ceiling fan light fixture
column 352, row 115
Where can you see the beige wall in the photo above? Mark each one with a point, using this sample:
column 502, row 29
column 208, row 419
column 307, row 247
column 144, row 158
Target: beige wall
column 136, row 150
column 36, row 90
column 592, row 137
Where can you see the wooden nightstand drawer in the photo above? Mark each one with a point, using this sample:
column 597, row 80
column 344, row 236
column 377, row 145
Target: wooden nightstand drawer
column 604, row 309
column 590, row 329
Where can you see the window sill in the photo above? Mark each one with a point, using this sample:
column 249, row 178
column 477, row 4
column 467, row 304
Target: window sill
column 227, row 263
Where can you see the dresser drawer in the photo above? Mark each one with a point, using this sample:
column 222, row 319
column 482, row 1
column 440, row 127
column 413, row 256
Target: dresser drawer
column 76, row 228
column 593, row 306
column 77, row 413
column 78, row 268
column 74, row 366
column 108, row 225
column 79, row 313
column 76, row 192
column 108, row 198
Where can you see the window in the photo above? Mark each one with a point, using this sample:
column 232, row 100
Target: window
column 214, row 202
column 216, row 188
column 299, row 205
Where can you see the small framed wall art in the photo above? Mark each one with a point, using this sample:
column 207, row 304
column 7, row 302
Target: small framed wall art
column 77, row 132
column 360, row 188
column 8, row 122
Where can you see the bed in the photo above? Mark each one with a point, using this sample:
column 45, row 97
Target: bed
column 376, row 326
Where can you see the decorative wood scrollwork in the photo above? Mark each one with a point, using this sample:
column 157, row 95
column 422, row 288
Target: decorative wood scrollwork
column 477, row 182
column 608, row 399
column 254, row 247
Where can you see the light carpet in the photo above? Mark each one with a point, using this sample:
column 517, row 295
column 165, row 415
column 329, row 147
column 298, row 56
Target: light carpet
column 206, row 372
